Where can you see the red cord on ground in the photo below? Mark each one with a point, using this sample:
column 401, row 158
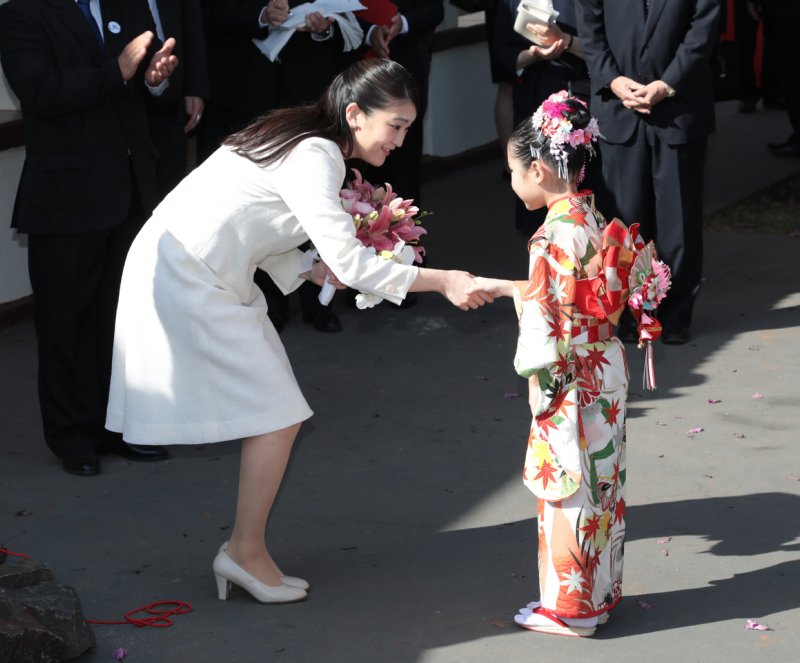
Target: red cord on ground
column 158, row 618
column 15, row 554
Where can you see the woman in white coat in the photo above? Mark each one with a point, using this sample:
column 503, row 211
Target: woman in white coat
column 196, row 359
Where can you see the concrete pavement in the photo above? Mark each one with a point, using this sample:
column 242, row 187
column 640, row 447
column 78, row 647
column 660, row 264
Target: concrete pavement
column 404, row 505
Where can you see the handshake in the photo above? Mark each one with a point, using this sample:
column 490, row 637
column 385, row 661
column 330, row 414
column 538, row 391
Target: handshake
column 461, row 289
column 477, row 290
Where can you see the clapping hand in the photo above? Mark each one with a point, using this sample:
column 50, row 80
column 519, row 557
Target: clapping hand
column 382, row 35
column 317, row 23
column 162, row 65
column 132, row 55
column 379, row 41
column 276, row 12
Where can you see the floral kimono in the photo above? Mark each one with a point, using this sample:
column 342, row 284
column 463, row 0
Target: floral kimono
column 575, row 461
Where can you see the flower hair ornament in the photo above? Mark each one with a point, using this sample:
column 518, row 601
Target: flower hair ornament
column 552, row 124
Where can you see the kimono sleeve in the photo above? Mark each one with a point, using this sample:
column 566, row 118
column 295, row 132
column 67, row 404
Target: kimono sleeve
column 545, row 305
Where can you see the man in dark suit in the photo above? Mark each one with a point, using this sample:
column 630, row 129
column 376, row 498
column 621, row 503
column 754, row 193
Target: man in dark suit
column 80, row 71
column 243, row 82
column 408, row 41
column 649, row 64
column 170, row 123
column 782, row 21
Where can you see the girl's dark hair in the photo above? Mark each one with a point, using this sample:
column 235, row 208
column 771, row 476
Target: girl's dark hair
column 373, row 84
column 526, row 140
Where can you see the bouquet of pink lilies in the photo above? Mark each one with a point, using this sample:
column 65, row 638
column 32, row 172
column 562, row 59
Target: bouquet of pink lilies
column 386, row 223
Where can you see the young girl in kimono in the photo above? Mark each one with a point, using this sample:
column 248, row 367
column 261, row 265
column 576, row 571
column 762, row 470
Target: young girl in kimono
column 581, row 270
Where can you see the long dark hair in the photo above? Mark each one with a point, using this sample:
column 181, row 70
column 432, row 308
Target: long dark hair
column 373, row 84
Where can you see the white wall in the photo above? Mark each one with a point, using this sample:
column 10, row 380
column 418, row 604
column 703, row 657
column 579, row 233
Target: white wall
column 14, row 282
column 460, row 112
column 8, row 100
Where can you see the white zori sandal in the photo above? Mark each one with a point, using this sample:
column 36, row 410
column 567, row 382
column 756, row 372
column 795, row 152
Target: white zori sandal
column 534, row 619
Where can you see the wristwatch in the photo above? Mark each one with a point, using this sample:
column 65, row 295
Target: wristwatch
column 669, row 90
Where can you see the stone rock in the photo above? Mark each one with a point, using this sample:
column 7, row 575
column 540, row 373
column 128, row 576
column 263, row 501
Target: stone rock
column 40, row 620
column 23, row 639
column 19, row 572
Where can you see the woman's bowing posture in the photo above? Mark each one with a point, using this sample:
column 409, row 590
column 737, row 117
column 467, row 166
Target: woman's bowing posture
column 196, row 359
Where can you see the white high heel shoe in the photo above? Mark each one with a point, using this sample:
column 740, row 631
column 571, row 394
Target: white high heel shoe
column 286, row 580
column 228, row 573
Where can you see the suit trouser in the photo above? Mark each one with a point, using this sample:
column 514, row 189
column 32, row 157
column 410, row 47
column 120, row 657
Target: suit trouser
column 75, row 279
column 784, row 30
column 660, row 186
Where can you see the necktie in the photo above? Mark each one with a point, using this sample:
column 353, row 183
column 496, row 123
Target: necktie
column 87, row 14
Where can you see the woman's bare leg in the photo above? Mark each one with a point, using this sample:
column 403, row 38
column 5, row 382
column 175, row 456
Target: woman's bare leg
column 263, row 463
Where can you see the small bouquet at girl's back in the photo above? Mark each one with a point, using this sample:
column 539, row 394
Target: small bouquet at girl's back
column 386, row 223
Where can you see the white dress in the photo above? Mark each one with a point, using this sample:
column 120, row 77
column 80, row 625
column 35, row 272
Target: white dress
column 196, row 359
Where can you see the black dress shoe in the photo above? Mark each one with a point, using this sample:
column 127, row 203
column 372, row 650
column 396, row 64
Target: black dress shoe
column 791, row 140
column 85, row 466
column 675, row 336
column 136, row 452
column 790, row 151
column 323, row 321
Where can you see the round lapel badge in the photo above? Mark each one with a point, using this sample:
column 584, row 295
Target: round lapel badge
column 114, row 27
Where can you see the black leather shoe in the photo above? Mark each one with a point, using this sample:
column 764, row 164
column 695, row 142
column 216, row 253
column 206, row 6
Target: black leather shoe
column 790, row 151
column 675, row 336
column 791, row 140
column 136, row 452
column 84, row 466
column 323, row 321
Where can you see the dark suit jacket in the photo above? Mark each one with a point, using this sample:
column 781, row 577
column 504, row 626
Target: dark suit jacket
column 674, row 43
column 240, row 76
column 183, row 20
column 413, row 49
column 85, row 128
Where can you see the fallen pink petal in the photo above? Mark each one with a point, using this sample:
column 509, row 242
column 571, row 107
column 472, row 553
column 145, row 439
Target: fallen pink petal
column 714, row 401
column 665, row 553
column 753, row 625
column 695, row 431
column 119, row 654
column 666, row 539
column 757, row 396
column 644, row 605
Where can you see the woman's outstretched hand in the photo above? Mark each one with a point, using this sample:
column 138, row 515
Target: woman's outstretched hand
column 491, row 287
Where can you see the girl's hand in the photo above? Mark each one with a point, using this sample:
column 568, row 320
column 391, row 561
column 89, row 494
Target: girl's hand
column 492, row 287
column 534, row 394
